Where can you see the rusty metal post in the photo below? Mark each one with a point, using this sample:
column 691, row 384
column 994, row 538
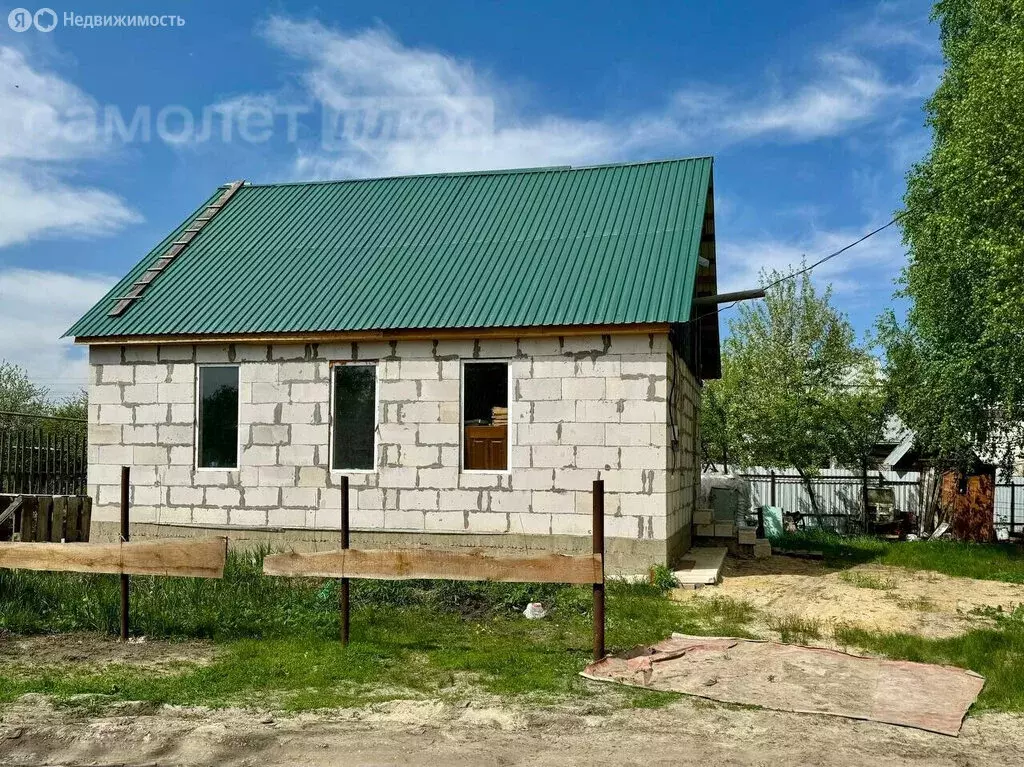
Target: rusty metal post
column 343, row 594
column 598, row 536
column 125, row 485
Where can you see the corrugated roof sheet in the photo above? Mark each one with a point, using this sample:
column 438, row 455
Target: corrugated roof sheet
column 610, row 244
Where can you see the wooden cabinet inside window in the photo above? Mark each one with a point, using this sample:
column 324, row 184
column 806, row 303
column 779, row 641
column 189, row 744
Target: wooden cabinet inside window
column 486, row 448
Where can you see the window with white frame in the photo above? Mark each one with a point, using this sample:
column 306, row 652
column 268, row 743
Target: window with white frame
column 485, row 416
column 217, row 419
column 354, row 417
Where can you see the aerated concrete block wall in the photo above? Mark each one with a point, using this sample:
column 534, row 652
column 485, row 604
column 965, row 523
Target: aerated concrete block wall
column 580, row 408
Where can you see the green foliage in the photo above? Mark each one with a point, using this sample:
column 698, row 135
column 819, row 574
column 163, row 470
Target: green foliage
column 663, row 578
column 19, row 395
column 797, row 390
column 954, row 367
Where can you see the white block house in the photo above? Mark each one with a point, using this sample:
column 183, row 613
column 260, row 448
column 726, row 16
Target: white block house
column 470, row 350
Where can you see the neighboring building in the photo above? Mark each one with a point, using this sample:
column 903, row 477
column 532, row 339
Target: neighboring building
column 471, row 349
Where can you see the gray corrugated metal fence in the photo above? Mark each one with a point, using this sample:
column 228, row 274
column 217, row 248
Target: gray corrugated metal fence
column 840, row 495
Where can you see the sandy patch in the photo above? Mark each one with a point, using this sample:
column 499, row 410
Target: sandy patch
column 685, row 734
column 916, row 602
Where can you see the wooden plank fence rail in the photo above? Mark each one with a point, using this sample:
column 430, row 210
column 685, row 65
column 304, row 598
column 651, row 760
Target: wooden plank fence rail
column 407, row 564
column 185, row 557
column 411, row 564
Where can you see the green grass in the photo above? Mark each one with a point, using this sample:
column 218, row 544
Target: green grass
column 794, row 629
column 277, row 638
column 868, row 580
column 995, row 562
column 997, row 653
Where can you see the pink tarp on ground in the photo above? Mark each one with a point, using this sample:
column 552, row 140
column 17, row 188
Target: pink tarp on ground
column 811, row 680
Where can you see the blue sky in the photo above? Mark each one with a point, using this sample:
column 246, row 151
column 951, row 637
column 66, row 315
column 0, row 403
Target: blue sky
column 813, row 112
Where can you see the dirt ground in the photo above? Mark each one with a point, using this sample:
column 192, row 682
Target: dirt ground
column 482, row 731
column 99, row 650
column 873, row 597
column 430, row 733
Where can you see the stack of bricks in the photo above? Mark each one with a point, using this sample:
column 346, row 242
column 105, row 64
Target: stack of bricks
column 579, row 409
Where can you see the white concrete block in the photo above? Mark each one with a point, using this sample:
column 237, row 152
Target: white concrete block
column 310, row 392
column 578, row 434
column 444, row 521
column 295, row 455
column 223, row 496
column 643, row 412
column 583, row 388
column 509, row 500
column 536, row 434
column 138, row 353
column 419, row 412
column 552, row 456
column 443, row 478
column 439, row 433
column 596, row 457
column 484, row 522
column 186, row 496
column 627, row 434
column 263, row 434
column 247, row 517
column 112, row 374
column 461, row 500
column 395, row 519
column 539, row 389
column 553, row 411
column 552, row 502
column 397, row 391
column 175, row 393
column 104, row 355
column 277, row 476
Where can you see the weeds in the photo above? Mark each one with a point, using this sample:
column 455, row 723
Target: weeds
column 794, row 629
column 867, row 580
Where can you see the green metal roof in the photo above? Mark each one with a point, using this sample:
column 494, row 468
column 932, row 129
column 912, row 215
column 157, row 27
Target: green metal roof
column 610, row 244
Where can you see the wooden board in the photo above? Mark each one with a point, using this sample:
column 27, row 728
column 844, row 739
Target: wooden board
column 203, row 558
column 408, row 564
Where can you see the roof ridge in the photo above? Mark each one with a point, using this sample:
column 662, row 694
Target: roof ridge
column 488, row 172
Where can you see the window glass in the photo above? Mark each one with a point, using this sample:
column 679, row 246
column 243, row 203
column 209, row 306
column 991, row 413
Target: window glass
column 355, row 417
column 218, row 417
column 485, row 416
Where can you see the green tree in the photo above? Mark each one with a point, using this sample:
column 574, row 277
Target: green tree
column 797, row 390
column 18, row 394
column 955, row 366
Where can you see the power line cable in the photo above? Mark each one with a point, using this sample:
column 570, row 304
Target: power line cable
column 808, row 268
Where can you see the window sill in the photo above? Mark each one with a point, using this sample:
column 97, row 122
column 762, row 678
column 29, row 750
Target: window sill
column 496, row 472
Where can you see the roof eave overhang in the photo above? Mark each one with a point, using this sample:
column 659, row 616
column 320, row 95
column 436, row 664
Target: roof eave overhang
column 406, row 334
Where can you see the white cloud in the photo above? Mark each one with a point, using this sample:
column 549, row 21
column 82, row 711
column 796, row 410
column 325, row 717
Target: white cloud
column 46, row 126
column 36, row 307
column 842, row 88
column 855, row 274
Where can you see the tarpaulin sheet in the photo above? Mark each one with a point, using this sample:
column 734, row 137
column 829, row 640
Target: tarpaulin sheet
column 811, row 680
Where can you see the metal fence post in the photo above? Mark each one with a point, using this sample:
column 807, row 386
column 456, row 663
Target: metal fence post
column 125, row 477
column 773, row 489
column 1013, row 498
column 598, row 540
column 343, row 593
